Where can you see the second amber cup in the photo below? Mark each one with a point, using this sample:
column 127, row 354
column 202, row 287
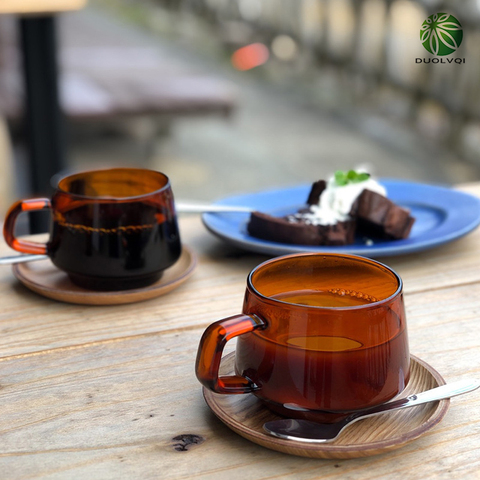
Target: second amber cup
column 112, row 229
column 321, row 335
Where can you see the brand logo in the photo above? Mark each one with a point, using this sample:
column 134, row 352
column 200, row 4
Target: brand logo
column 441, row 34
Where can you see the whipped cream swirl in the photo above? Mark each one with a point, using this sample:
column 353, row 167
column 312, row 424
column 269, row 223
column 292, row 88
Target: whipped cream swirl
column 336, row 202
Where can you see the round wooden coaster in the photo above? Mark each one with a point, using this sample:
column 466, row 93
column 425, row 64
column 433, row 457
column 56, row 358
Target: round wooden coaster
column 245, row 414
column 44, row 278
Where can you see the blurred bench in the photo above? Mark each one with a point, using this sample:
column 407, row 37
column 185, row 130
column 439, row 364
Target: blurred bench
column 107, row 73
column 102, row 82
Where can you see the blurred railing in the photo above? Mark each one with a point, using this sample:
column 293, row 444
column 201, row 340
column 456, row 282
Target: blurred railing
column 373, row 46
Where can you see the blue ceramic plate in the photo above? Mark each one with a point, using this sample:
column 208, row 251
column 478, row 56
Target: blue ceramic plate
column 441, row 215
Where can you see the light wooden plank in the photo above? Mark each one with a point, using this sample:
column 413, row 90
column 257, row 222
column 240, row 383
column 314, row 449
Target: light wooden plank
column 457, row 263
column 40, row 6
column 110, row 410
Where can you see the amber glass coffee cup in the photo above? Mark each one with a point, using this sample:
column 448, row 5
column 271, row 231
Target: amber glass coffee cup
column 321, row 335
column 112, row 229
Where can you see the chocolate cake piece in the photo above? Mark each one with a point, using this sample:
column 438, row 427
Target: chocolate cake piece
column 279, row 229
column 297, row 232
column 340, row 233
column 378, row 216
column 372, row 215
column 315, row 192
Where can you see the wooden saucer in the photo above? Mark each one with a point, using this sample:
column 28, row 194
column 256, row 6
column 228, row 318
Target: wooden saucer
column 44, row 278
column 245, row 415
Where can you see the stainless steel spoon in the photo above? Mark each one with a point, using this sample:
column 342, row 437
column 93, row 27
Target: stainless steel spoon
column 21, row 259
column 187, row 207
column 312, row 432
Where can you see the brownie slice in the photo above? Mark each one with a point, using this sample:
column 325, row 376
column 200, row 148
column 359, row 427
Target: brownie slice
column 297, row 232
column 340, row 233
column 315, row 192
column 372, row 215
column 378, row 216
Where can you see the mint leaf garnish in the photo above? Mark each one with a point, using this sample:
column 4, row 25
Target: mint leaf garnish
column 340, row 178
column 361, row 177
column 351, row 175
column 344, row 178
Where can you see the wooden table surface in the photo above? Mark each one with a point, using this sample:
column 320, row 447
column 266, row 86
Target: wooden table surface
column 40, row 6
column 100, row 392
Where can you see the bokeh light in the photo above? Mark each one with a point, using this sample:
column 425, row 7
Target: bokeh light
column 250, row 10
column 250, row 56
column 284, row 47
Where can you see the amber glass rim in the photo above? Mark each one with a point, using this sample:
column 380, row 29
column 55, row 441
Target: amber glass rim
column 115, row 169
column 359, row 258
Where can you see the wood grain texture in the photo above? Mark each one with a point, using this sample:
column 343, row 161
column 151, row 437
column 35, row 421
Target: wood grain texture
column 47, row 280
column 245, row 414
column 111, row 410
column 101, row 391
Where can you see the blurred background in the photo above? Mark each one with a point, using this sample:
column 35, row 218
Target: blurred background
column 235, row 96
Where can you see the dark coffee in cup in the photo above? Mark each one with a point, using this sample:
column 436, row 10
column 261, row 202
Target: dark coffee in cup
column 112, row 229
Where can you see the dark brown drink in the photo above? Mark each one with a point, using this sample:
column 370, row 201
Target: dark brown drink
column 112, row 229
column 129, row 250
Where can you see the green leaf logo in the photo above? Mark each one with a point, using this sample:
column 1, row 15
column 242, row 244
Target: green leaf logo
column 441, row 34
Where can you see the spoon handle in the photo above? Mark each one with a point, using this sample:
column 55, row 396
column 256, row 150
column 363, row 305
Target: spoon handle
column 21, row 259
column 445, row 391
column 439, row 393
column 185, row 207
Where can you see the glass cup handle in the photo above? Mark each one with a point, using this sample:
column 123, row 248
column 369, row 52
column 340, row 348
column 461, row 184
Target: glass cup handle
column 210, row 354
column 24, row 246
